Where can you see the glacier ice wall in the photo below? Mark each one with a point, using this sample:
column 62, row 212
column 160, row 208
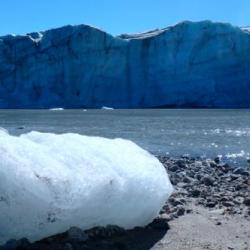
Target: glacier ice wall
column 191, row 64
column 49, row 183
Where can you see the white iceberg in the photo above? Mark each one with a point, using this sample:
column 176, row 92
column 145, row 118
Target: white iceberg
column 49, row 183
column 56, row 109
column 107, row 108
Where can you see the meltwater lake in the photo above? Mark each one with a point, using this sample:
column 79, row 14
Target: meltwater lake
column 205, row 133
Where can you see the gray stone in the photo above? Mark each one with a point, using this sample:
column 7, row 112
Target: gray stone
column 180, row 211
column 217, row 160
column 195, row 193
column 211, row 204
column 228, row 204
column 241, row 171
column 247, row 202
column 207, row 180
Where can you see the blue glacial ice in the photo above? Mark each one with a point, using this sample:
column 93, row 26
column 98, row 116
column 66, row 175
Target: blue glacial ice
column 190, row 64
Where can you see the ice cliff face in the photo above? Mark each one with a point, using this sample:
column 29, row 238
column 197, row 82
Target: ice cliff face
column 201, row 64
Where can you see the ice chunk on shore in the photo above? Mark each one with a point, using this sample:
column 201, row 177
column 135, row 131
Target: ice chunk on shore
column 50, row 182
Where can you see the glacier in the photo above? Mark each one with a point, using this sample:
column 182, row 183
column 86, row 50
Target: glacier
column 189, row 65
column 50, row 182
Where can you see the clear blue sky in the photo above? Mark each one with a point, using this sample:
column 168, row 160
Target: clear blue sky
column 116, row 16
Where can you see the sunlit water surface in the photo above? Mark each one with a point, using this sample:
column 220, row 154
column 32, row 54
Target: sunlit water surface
column 206, row 133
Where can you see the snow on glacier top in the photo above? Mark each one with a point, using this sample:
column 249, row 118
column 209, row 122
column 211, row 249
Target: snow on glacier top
column 38, row 36
column 157, row 32
column 247, row 29
column 142, row 35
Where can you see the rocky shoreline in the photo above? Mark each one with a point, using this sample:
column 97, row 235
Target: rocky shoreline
column 207, row 183
column 206, row 191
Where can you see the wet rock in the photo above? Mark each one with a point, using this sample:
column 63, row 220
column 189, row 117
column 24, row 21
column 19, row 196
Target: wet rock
column 246, row 202
column 224, row 168
column 213, row 164
column 189, row 211
column 187, row 179
column 207, row 180
column 217, row 160
column 211, row 204
column 247, row 212
column 175, row 202
column 224, row 199
column 191, row 174
column 181, row 163
column 173, row 168
column 227, row 166
column 238, row 187
column 228, row 204
column 180, row 211
column 198, row 176
column 241, row 171
column 234, row 177
column 195, row 193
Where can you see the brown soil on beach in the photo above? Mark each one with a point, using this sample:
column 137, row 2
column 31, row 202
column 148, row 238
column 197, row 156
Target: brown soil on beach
column 206, row 229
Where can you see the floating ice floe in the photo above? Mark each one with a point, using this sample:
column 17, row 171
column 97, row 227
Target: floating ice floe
column 56, row 109
column 49, row 183
column 107, row 108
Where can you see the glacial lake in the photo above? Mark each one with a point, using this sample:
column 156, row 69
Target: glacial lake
column 206, row 133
